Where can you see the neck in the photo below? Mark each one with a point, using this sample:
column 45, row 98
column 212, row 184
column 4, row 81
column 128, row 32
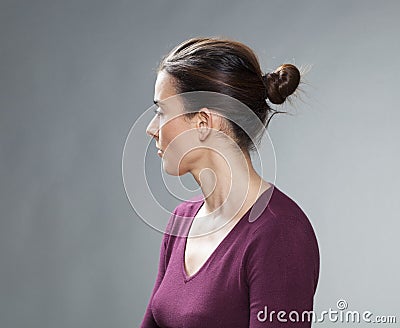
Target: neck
column 230, row 185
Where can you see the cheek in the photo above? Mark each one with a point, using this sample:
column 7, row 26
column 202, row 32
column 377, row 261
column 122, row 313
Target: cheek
column 167, row 133
column 174, row 131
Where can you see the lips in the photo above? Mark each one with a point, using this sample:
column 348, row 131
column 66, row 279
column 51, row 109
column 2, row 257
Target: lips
column 159, row 152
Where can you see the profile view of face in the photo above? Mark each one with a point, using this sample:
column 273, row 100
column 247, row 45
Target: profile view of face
column 174, row 135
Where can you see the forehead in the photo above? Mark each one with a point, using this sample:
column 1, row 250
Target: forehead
column 164, row 87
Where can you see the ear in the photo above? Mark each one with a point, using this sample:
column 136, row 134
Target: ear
column 204, row 123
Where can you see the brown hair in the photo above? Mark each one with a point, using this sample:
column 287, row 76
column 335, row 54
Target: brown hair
column 229, row 67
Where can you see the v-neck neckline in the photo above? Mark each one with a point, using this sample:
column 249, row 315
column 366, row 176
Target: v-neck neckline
column 186, row 277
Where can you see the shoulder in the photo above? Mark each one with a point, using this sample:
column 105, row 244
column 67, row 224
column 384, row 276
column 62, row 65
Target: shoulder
column 179, row 223
column 282, row 241
column 281, row 216
column 180, row 218
column 188, row 207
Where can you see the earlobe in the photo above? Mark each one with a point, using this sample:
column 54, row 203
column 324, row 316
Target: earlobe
column 204, row 124
column 203, row 130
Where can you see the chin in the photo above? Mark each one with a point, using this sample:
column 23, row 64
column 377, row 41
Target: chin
column 173, row 169
column 175, row 172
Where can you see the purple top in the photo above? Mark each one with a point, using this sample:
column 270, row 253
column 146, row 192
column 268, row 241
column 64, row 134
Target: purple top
column 261, row 266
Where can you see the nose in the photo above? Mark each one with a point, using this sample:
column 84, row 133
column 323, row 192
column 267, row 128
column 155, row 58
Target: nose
column 153, row 128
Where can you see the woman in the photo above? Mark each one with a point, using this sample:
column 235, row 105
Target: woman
column 218, row 267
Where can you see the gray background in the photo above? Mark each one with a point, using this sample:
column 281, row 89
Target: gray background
column 75, row 75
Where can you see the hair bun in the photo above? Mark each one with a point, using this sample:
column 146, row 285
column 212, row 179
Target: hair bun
column 281, row 83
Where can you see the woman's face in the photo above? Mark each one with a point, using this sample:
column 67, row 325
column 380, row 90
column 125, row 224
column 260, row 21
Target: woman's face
column 175, row 137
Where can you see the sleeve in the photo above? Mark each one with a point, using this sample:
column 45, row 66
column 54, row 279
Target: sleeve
column 282, row 268
column 148, row 319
